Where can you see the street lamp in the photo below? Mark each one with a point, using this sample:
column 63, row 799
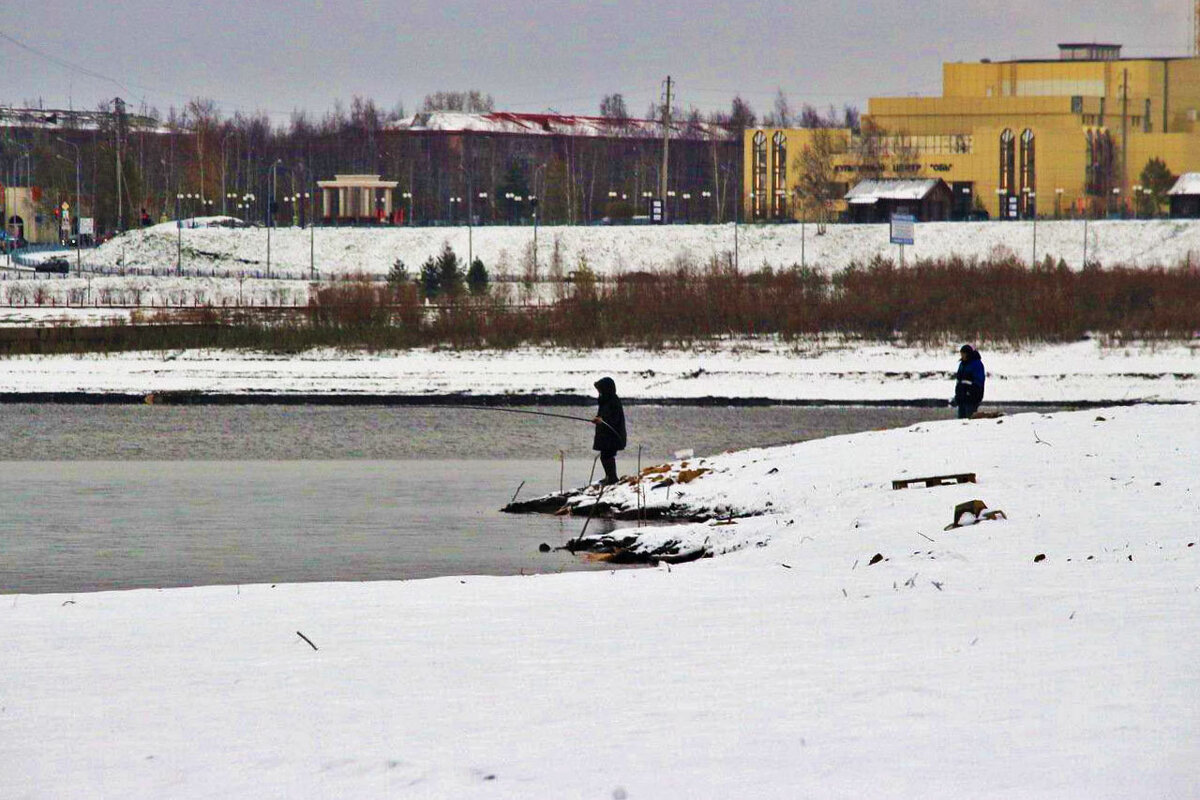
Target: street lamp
column 178, row 236
column 1058, row 193
column 533, row 201
column 408, row 196
column 78, row 204
column 1031, row 208
column 1001, row 211
column 706, row 194
column 803, row 221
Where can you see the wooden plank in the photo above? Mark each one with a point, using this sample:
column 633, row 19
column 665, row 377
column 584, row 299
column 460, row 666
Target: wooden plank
column 936, row 480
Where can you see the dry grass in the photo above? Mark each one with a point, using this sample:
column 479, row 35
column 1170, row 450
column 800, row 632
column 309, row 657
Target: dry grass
column 997, row 300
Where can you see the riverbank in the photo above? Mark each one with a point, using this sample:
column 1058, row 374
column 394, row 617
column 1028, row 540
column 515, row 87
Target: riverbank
column 767, row 370
column 843, row 644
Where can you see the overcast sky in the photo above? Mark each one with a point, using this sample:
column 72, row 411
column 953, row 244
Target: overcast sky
column 564, row 55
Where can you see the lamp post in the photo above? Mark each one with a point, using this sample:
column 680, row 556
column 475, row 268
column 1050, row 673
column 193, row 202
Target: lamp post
column 453, row 201
column 178, row 236
column 533, row 201
column 1001, row 211
column 1058, row 193
column 674, row 204
column 706, row 194
column 470, row 222
column 78, row 204
column 1031, row 203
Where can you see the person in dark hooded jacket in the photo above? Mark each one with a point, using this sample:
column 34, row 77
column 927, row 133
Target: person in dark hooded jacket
column 968, row 381
column 610, row 428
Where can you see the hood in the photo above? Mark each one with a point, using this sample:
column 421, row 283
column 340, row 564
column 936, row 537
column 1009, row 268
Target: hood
column 606, row 386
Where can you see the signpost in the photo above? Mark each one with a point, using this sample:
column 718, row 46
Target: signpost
column 656, row 211
column 903, row 232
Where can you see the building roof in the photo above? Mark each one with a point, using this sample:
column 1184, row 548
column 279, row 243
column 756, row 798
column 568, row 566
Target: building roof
column 870, row 192
column 548, row 125
column 1188, row 183
column 62, row 119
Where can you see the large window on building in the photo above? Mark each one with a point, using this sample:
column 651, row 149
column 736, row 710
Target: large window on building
column 758, row 177
column 1007, row 180
column 1099, row 168
column 1028, row 186
column 779, row 175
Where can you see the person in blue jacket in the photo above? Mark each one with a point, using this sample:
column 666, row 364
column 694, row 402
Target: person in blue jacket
column 968, row 382
column 610, row 428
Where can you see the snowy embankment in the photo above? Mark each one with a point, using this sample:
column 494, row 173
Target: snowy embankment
column 961, row 664
column 611, row 250
column 741, row 369
column 228, row 266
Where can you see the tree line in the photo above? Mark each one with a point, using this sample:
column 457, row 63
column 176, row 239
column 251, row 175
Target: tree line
column 144, row 167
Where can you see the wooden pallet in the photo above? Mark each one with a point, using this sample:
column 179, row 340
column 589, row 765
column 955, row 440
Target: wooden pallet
column 936, row 480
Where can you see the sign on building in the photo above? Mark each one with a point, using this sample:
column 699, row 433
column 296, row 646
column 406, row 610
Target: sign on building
column 903, row 228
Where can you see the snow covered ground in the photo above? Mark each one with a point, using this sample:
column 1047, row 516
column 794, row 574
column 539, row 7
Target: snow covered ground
column 833, row 370
column 624, row 248
column 959, row 665
column 228, row 266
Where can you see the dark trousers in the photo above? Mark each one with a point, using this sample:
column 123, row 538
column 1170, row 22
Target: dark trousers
column 608, row 460
column 966, row 408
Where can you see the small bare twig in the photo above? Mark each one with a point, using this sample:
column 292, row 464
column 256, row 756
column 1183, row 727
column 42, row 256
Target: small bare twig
column 517, row 492
column 305, row 638
column 588, row 521
column 921, row 534
column 1038, row 440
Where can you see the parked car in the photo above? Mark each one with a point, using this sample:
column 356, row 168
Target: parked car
column 56, row 265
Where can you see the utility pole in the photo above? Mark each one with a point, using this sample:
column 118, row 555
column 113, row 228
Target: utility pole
column 118, row 115
column 662, row 187
column 1124, row 134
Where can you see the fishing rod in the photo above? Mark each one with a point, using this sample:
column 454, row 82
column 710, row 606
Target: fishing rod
column 588, row 420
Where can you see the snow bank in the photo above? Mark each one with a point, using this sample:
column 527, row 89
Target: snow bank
column 830, row 370
column 614, row 249
column 959, row 665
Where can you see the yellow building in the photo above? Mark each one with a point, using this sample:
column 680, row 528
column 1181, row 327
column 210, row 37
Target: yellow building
column 1013, row 138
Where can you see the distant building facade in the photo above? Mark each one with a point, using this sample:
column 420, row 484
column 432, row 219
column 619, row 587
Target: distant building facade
column 1012, row 139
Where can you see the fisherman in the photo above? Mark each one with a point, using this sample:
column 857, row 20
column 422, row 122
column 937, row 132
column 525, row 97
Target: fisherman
column 610, row 428
column 968, row 382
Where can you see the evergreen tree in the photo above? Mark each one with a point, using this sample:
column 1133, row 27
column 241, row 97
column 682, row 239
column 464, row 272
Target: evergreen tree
column 477, row 278
column 1158, row 179
column 450, row 273
column 431, row 278
column 398, row 275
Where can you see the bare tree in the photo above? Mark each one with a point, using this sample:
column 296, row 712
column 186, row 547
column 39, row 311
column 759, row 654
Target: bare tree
column 781, row 115
column 815, row 182
column 471, row 102
column 612, row 106
column 741, row 115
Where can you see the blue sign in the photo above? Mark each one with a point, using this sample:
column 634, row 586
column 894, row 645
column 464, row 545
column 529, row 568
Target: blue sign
column 903, row 228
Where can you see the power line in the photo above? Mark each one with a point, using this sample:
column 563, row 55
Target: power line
column 127, row 87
